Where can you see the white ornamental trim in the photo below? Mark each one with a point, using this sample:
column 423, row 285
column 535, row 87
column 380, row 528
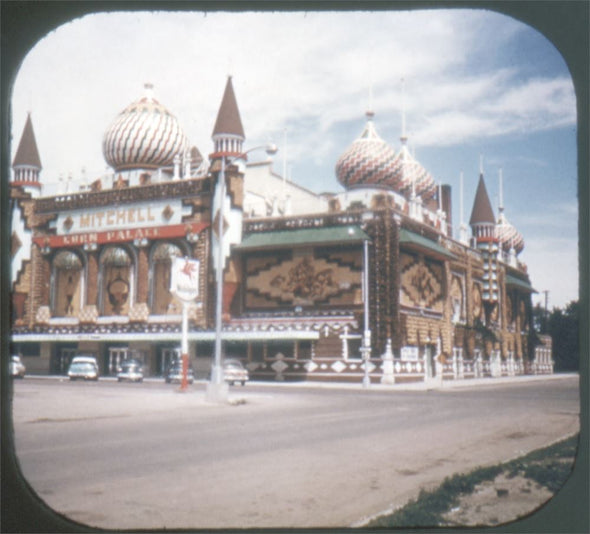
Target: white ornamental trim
column 338, row 366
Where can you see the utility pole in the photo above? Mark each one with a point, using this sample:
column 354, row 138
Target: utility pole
column 546, row 292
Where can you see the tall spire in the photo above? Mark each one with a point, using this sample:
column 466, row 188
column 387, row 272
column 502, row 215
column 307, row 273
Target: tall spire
column 501, row 199
column 27, row 153
column 27, row 163
column 463, row 237
column 228, row 132
column 404, row 136
column 482, row 212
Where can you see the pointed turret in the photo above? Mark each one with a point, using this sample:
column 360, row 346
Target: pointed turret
column 482, row 213
column 483, row 226
column 228, row 132
column 27, row 163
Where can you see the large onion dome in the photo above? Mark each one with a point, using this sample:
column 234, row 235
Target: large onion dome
column 411, row 175
column 508, row 236
column 143, row 136
column 368, row 161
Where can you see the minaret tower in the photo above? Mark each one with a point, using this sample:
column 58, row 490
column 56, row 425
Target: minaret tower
column 415, row 199
column 27, row 163
column 227, row 209
column 463, row 236
column 228, row 133
column 483, row 227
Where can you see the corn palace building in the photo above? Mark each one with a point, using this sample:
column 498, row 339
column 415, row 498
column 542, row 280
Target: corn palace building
column 366, row 283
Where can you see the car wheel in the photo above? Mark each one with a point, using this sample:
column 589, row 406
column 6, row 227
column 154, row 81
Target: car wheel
column 119, row 380
column 243, row 383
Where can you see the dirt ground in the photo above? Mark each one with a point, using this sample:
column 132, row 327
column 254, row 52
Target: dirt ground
column 499, row 501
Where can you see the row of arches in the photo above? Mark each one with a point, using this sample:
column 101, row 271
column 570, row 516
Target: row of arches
column 116, row 279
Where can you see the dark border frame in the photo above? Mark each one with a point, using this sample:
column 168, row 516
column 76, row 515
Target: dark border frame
column 565, row 23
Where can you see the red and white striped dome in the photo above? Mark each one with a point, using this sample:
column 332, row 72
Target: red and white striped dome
column 368, row 161
column 145, row 135
column 410, row 173
column 509, row 236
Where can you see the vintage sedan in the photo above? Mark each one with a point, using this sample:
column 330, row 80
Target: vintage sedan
column 234, row 371
column 174, row 373
column 84, row 368
column 130, row 370
column 17, row 367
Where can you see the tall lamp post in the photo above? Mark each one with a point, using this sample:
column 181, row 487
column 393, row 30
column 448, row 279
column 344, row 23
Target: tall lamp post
column 216, row 388
column 366, row 346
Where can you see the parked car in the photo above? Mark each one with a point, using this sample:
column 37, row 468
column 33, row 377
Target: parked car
column 17, row 367
column 174, row 373
column 84, row 367
column 131, row 370
column 234, row 371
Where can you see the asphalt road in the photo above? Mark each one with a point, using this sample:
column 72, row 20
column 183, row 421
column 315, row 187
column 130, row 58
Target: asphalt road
column 147, row 456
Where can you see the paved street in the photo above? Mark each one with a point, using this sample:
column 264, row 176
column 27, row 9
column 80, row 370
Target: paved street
column 146, row 456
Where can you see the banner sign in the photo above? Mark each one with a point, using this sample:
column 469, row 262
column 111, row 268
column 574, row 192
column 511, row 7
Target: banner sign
column 184, row 278
column 152, row 214
column 119, row 236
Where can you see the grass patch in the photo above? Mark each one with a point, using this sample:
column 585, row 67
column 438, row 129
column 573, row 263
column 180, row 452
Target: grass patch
column 549, row 467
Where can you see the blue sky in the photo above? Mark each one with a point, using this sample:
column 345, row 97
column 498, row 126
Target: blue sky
column 476, row 84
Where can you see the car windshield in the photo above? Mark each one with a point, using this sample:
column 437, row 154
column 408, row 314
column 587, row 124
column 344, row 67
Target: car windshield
column 84, row 359
column 234, row 364
column 130, row 365
column 81, row 366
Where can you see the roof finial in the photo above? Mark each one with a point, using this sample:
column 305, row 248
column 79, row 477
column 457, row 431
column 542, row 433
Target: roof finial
column 370, row 111
column 404, row 137
column 501, row 200
column 149, row 90
column 481, row 164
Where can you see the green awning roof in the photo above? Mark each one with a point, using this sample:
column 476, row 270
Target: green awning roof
column 522, row 284
column 406, row 237
column 335, row 235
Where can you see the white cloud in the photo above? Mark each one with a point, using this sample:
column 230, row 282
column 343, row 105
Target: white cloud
column 286, row 67
column 553, row 266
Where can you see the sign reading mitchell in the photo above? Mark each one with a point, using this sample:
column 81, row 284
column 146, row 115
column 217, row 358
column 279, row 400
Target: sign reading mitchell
column 155, row 213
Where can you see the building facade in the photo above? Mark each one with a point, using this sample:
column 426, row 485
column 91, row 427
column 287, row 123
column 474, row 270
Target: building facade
column 365, row 283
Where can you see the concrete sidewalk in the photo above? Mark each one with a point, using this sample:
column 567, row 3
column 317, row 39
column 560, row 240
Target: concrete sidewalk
column 434, row 384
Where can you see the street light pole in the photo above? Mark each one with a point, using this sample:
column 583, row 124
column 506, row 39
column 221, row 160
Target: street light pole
column 217, row 389
column 216, row 371
column 366, row 348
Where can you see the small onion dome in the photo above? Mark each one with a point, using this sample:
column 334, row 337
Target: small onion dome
column 368, row 161
column 143, row 136
column 508, row 236
column 409, row 173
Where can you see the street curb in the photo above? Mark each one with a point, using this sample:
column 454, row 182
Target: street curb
column 412, row 386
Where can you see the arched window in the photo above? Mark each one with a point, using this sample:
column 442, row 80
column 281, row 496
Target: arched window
column 162, row 299
column 67, row 284
column 117, row 281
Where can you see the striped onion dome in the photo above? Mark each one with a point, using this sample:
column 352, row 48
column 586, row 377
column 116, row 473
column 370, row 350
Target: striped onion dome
column 409, row 171
column 143, row 136
column 368, row 161
column 508, row 236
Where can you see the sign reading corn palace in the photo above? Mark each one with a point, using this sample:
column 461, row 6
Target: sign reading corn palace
column 375, row 282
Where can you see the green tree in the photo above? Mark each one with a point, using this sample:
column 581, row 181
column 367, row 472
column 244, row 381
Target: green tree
column 563, row 327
